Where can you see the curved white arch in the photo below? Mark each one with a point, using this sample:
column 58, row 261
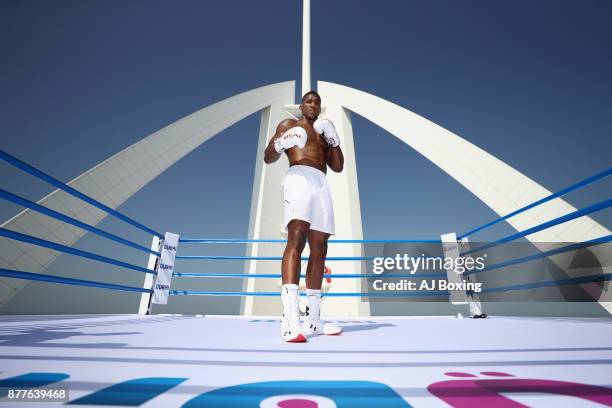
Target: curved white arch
column 120, row 176
column 480, row 172
column 500, row 186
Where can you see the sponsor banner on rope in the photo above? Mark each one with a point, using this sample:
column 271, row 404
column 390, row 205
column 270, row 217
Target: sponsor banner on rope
column 165, row 268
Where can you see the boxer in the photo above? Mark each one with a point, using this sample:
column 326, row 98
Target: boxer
column 311, row 145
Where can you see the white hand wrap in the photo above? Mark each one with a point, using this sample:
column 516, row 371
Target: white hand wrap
column 327, row 129
column 296, row 136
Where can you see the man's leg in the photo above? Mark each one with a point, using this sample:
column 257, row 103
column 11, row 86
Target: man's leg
column 297, row 233
column 296, row 240
column 317, row 241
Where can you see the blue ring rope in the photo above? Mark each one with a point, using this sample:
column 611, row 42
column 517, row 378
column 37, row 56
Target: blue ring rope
column 337, row 294
column 568, row 217
column 331, row 275
column 331, row 241
column 567, row 248
column 62, row 186
column 69, row 250
column 270, row 258
column 560, row 193
column 69, row 220
column 67, row 281
column 561, row 282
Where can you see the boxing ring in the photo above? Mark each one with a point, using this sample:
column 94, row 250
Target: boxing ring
column 159, row 360
column 237, row 361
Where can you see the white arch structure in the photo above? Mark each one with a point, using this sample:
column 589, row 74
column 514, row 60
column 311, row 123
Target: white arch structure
column 117, row 178
column 113, row 181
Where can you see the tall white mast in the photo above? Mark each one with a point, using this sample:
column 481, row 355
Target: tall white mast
column 306, row 86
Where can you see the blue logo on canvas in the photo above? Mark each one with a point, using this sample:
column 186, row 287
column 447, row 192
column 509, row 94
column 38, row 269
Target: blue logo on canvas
column 294, row 394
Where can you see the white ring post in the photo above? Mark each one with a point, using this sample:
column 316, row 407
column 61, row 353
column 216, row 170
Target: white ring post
column 450, row 249
column 145, row 299
column 473, row 299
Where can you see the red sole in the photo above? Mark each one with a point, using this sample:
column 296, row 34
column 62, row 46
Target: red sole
column 299, row 339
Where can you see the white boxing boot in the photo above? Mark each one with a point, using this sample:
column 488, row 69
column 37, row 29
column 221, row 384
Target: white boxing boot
column 291, row 331
column 312, row 321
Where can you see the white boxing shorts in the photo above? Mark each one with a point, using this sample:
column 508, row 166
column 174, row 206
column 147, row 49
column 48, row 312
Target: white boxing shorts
column 308, row 198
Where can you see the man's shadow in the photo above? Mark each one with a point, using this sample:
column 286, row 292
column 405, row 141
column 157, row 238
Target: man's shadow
column 363, row 327
column 37, row 337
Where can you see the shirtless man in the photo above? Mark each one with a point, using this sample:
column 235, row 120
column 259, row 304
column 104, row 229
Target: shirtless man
column 311, row 145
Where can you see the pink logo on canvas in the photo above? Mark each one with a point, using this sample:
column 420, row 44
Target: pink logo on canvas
column 297, row 401
column 471, row 391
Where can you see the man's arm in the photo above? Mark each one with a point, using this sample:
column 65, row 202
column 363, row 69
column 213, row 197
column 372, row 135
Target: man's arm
column 271, row 155
column 335, row 159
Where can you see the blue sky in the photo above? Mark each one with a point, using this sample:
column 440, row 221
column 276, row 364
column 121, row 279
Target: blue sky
column 530, row 82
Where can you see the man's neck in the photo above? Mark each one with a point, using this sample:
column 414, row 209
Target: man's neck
column 307, row 120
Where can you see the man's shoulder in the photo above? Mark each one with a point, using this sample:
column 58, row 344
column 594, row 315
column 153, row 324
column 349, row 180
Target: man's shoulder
column 287, row 124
